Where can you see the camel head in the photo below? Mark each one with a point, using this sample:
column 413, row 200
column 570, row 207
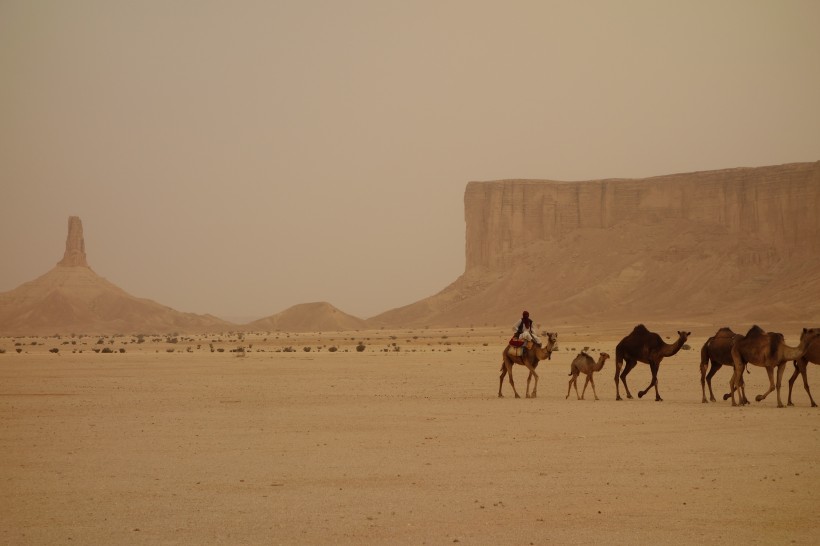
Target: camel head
column 809, row 333
column 545, row 351
column 684, row 336
column 808, row 336
column 601, row 361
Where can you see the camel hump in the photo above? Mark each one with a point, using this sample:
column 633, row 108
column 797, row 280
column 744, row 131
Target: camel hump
column 755, row 331
column 725, row 332
column 775, row 341
column 640, row 329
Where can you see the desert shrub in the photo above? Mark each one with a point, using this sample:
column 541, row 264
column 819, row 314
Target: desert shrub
column 2, row 351
column 54, row 350
column 19, row 350
column 360, row 347
column 169, row 350
column 122, row 349
column 108, row 350
column 686, row 347
column 332, row 349
column 220, row 350
column 306, row 349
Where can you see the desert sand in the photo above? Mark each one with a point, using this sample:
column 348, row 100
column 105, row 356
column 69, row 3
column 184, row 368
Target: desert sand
column 405, row 442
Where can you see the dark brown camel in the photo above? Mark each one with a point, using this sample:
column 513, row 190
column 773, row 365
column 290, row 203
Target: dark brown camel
column 718, row 350
column 768, row 350
column 641, row 345
column 800, row 365
column 532, row 356
column 585, row 364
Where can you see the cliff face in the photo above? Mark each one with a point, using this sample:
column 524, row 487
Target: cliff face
column 776, row 205
column 721, row 247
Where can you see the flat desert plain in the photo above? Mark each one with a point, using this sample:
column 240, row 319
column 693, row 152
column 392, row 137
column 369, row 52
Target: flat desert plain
column 405, row 442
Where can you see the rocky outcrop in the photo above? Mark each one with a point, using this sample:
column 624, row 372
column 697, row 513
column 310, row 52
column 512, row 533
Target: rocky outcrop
column 74, row 245
column 776, row 205
column 71, row 298
column 732, row 246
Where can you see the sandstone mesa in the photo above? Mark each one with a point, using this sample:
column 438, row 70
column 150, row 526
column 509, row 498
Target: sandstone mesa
column 727, row 246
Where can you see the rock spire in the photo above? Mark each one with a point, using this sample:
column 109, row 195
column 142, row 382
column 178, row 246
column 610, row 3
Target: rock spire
column 74, row 245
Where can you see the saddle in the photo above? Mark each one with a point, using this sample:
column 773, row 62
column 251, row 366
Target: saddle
column 517, row 347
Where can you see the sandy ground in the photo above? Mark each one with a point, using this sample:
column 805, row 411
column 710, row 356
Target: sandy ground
column 407, row 446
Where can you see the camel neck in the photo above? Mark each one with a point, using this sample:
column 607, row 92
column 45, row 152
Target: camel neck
column 670, row 350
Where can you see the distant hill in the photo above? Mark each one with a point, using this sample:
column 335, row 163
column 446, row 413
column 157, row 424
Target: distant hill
column 733, row 246
column 72, row 298
column 308, row 317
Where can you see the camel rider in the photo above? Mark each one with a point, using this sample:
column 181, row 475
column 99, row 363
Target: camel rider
column 523, row 329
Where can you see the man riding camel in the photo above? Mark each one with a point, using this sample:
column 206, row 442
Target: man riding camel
column 523, row 329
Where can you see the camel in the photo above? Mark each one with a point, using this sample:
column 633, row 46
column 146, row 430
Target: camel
column 800, row 365
column 768, row 350
column 718, row 350
column 641, row 345
column 584, row 363
column 532, row 356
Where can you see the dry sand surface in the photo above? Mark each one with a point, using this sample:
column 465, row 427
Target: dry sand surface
column 407, row 446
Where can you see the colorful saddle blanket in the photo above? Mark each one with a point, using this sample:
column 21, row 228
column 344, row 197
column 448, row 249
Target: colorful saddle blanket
column 516, row 347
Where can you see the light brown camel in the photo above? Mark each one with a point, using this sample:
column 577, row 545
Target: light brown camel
column 800, row 365
column 584, row 363
column 641, row 345
column 718, row 350
column 532, row 355
column 768, row 350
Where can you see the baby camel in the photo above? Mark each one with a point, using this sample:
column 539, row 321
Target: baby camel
column 584, row 363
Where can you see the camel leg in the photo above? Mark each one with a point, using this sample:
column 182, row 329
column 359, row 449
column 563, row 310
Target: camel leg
column 780, row 369
column 712, row 371
column 527, row 393
column 800, row 368
column 741, row 385
column 584, row 390
column 703, row 380
column 628, row 368
column 760, row 397
column 592, row 381
column 791, row 383
column 736, row 383
column 806, row 385
column 653, row 383
column 573, row 381
column 732, row 382
column 535, row 384
column 512, row 383
column 741, row 390
column 617, row 375
column 506, row 369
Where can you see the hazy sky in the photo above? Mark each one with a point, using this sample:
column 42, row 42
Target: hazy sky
column 240, row 157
